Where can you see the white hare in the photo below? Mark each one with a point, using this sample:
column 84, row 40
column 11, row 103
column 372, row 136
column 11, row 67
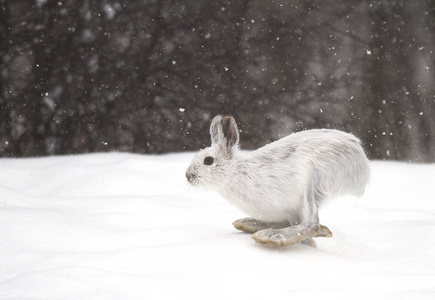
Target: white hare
column 282, row 184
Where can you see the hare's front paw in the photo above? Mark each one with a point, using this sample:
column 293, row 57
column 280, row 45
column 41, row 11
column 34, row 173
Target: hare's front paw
column 250, row 225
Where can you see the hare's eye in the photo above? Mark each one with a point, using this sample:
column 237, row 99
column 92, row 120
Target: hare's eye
column 208, row 160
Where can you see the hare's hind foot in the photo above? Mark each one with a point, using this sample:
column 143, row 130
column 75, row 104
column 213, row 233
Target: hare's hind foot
column 290, row 235
column 250, row 225
column 324, row 232
column 309, row 242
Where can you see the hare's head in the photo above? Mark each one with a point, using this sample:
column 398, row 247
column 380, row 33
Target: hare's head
column 209, row 166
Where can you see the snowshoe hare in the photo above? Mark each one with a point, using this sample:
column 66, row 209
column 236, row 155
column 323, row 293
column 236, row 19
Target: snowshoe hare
column 282, row 184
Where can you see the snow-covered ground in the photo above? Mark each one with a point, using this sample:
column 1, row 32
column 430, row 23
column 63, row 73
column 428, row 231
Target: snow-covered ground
column 123, row 226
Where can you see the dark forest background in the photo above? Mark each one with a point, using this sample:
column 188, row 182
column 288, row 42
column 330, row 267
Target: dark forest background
column 81, row 76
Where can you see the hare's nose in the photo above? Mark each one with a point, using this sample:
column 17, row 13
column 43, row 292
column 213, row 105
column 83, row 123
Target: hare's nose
column 190, row 176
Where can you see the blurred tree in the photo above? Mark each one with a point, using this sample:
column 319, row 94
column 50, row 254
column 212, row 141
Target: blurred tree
column 396, row 101
column 147, row 76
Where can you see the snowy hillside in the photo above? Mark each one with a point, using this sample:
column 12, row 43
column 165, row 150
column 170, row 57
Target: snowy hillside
column 123, row 226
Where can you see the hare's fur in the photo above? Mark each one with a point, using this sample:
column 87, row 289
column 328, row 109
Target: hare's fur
column 282, row 184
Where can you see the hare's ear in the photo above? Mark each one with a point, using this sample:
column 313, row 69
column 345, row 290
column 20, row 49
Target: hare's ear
column 214, row 129
column 224, row 133
column 230, row 132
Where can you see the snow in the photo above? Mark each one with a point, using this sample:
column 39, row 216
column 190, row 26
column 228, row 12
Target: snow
column 124, row 226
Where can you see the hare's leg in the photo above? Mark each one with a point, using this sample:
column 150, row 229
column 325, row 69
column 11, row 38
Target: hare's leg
column 309, row 227
column 250, row 225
